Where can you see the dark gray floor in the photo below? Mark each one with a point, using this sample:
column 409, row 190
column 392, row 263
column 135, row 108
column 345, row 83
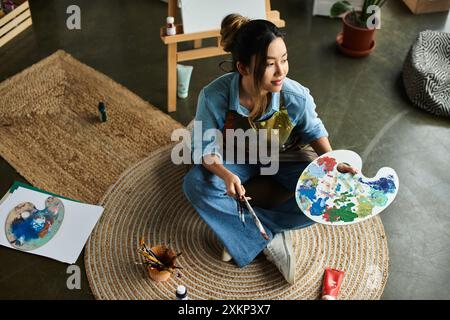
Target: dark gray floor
column 361, row 102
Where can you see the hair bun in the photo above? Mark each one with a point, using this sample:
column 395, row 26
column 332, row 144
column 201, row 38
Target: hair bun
column 229, row 28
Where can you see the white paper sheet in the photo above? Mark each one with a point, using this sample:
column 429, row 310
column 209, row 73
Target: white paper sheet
column 68, row 242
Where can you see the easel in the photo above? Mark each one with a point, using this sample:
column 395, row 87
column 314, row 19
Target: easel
column 174, row 56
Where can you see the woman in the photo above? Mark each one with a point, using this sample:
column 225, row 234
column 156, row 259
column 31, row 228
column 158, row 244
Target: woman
column 257, row 95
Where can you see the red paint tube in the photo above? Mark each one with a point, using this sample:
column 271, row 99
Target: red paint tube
column 332, row 281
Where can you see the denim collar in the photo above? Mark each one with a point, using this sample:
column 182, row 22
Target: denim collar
column 236, row 106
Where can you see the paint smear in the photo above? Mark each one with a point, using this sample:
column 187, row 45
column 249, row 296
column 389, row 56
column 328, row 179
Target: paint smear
column 344, row 214
column 319, row 206
column 364, row 207
column 386, row 185
column 309, row 193
column 316, row 171
column 378, row 198
column 328, row 162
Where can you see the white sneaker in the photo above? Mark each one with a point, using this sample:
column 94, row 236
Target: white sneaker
column 279, row 251
column 225, row 255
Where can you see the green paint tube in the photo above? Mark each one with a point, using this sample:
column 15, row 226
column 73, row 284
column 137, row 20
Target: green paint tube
column 184, row 77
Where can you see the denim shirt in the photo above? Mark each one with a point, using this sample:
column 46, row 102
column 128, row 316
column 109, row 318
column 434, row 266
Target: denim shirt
column 221, row 97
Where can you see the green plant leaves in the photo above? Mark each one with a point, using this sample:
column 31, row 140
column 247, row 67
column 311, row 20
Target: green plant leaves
column 340, row 7
column 360, row 20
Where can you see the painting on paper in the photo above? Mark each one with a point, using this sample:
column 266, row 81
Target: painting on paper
column 41, row 223
column 28, row 228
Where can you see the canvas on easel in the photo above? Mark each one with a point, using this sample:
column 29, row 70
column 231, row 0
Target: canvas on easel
column 195, row 19
column 199, row 51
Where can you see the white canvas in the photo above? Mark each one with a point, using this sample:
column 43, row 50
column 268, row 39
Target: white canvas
column 204, row 15
column 68, row 242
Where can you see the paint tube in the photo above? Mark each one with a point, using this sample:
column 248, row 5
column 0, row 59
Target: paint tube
column 171, row 29
column 181, row 293
column 331, row 284
column 184, row 77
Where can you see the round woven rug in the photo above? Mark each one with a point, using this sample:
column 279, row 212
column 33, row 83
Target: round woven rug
column 148, row 201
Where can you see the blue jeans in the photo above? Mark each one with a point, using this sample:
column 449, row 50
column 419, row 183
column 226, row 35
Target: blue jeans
column 207, row 194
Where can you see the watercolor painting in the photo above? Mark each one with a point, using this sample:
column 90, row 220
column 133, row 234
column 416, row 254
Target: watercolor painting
column 329, row 197
column 28, row 228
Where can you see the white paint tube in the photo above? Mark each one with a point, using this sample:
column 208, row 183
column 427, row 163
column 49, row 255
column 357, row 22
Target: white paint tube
column 184, row 77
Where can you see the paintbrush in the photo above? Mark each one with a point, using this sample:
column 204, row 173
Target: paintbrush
column 150, row 258
column 150, row 252
column 241, row 211
column 256, row 220
column 154, row 261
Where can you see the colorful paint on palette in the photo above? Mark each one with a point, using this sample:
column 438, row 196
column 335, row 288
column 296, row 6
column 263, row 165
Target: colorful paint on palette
column 28, row 228
column 328, row 196
column 317, row 171
column 319, row 206
column 386, row 185
column 328, row 163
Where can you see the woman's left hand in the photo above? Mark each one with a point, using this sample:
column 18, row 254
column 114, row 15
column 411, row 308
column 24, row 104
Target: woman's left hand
column 346, row 168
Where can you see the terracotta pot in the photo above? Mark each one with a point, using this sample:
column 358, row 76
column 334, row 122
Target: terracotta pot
column 158, row 276
column 166, row 254
column 356, row 38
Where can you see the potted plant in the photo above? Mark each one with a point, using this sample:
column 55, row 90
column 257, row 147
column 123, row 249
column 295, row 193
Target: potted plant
column 358, row 36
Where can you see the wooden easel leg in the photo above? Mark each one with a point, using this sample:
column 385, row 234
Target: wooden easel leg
column 172, row 77
column 197, row 43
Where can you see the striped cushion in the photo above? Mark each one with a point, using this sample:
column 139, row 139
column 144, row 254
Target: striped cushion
column 426, row 72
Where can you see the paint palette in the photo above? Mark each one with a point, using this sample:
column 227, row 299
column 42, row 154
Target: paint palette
column 330, row 197
column 28, row 228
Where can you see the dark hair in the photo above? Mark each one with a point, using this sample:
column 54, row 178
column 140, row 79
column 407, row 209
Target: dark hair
column 245, row 38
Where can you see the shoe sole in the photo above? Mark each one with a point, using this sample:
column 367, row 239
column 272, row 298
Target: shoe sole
column 290, row 255
column 226, row 257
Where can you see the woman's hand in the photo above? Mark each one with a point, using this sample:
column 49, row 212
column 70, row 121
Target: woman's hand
column 322, row 146
column 346, row 168
column 235, row 189
column 232, row 181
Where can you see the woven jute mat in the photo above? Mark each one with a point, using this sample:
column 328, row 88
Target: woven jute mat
column 50, row 130
column 147, row 200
